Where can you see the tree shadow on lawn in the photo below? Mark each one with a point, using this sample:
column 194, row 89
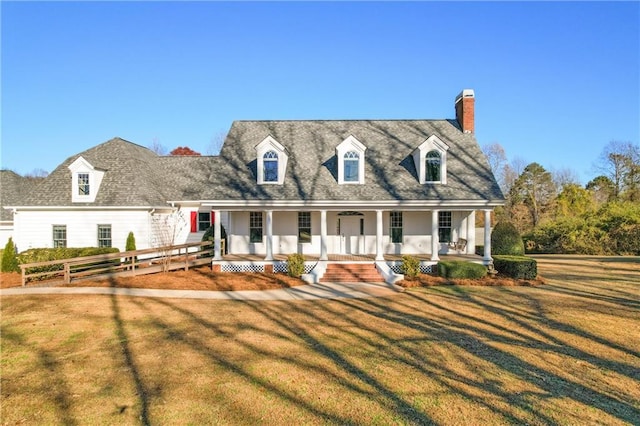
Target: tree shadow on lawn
column 396, row 331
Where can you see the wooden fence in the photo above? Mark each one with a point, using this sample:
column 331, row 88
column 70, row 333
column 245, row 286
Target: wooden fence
column 127, row 263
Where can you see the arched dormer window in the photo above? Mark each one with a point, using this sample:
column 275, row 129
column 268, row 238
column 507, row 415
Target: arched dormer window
column 430, row 159
column 270, row 166
column 351, row 166
column 350, row 155
column 432, row 166
column 272, row 162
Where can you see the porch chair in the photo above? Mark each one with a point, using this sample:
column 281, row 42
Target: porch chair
column 459, row 245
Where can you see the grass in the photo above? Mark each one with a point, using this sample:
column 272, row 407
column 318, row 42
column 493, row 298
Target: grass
column 565, row 352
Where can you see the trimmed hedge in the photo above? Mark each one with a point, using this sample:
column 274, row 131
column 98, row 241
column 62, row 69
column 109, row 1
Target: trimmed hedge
column 461, row 269
column 506, row 240
column 518, row 267
column 61, row 253
column 295, row 265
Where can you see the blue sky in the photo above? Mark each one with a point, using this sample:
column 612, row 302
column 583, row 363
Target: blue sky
column 554, row 82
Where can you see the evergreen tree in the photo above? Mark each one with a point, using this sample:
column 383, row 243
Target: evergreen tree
column 10, row 258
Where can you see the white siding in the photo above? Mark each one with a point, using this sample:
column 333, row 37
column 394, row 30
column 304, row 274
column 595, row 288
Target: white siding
column 6, row 231
column 34, row 229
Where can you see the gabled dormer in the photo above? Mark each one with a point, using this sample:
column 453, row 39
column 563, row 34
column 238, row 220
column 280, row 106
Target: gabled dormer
column 272, row 162
column 85, row 181
column 350, row 154
column 430, row 159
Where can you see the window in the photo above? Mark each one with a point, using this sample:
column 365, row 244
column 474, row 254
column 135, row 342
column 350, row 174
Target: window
column 204, row 221
column 272, row 160
column 104, row 235
column 255, row 227
column 444, row 227
column 395, row 227
column 432, row 166
column 351, row 166
column 350, row 159
column 270, row 164
column 59, row 235
column 83, row 184
column 304, row 227
column 430, row 159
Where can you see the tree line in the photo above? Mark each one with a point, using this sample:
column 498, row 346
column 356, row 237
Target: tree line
column 556, row 214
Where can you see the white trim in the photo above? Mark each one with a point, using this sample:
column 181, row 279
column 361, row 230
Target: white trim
column 331, row 205
column 432, row 143
column 82, row 166
column 348, row 145
column 270, row 144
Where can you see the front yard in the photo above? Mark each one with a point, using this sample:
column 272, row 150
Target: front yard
column 564, row 352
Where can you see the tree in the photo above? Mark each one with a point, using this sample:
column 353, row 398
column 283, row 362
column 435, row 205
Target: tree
column 157, row 147
column 10, row 258
column 563, row 177
column 183, row 150
column 573, row 201
column 535, row 189
column 602, row 189
column 506, row 240
column 166, row 227
column 620, row 162
column 36, row 174
column 497, row 161
column 216, row 142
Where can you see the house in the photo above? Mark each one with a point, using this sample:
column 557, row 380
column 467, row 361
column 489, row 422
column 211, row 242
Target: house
column 329, row 189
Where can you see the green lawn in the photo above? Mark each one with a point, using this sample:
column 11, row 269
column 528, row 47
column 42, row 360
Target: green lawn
column 567, row 352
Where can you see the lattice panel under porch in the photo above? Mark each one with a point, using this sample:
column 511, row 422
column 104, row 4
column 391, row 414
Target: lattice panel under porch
column 424, row 269
column 283, row 267
column 239, row 267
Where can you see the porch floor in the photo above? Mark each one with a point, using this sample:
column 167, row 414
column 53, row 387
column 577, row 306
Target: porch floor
column 349, row 257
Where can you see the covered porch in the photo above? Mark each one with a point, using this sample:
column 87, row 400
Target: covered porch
column 360, row 234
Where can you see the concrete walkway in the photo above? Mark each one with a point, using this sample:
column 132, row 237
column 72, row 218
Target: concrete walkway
column 304, row 292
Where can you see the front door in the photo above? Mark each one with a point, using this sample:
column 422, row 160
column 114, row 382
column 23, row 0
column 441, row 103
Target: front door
column 351, row 234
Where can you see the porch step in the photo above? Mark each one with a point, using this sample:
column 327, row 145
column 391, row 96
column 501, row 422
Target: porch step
column 351, row 272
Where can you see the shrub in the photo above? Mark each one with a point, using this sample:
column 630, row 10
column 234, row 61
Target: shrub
column 461, row 269
column 518, row 267
column 506, row 240
column 10, row 258
column 295, row 263
column 131, row 242
column 410, row 266
column 60, row 253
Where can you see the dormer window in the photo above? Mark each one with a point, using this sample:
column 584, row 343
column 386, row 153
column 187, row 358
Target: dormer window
column 432, row 166
column 84, row 188
column 351, row 166
column 272, row 162
column 350, row 154
column 85, row 181
column 270, row 166
column 430, row 159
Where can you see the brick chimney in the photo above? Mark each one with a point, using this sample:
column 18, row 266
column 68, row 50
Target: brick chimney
column 465, row 110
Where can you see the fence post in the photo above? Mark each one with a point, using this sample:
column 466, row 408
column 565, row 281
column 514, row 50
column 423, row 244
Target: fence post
column 67, row 273
column 24, row 280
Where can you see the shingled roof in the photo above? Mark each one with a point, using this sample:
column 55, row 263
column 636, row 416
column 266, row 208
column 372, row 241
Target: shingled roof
column 390, row 173
column 133, row 176
column 13, row 189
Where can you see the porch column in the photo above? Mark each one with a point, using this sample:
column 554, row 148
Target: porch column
column 217, row 236
column 471, row 232
column 487, row 236
column 435, row 241
column 379, row 254
column 269, row 235
column 323, row 235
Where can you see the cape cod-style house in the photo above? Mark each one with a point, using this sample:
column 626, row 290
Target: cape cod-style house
column 333, row 190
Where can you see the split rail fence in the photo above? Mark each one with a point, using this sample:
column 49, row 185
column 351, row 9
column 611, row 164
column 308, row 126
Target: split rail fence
column 127, row 263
